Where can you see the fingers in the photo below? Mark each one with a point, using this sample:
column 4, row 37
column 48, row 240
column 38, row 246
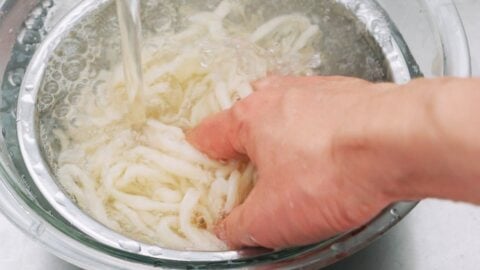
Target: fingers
column 226, row 135
column 234, row 234
column 223, row 135
column 217, row 136
column 250, row 224
column 240, row 228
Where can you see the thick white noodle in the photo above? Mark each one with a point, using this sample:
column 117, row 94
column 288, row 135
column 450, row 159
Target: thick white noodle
column 148, row 182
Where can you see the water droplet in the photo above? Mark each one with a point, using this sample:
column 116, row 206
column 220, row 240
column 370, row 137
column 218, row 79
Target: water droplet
column 29, row 48
column 315, row 61
column 13, row 114
column 33, row 23
column 60, row 198
column 28, row 36
column 336, row 247
column 394, row 213
column 131, row 246
column 29, row 87
column 47, row 3
column 37, row 228
column 155, row 251
column 377, row 26
column 38, row 12
column 359, row 7
column 15, row 76
column 385, row 42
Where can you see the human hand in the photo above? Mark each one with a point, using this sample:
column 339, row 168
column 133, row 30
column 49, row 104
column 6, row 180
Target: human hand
column 316, row 175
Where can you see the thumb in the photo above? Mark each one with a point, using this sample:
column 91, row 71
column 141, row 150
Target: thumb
column 234, row 234
column 219, row 135
column 250, row 224
column 238, row 229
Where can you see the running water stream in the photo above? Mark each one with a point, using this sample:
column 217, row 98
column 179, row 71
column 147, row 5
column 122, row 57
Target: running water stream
column 128, row 12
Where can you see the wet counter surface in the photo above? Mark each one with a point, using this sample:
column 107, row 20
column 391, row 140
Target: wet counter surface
column 436, row 235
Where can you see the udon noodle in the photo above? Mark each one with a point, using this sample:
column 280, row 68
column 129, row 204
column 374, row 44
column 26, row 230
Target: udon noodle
column 146, row 181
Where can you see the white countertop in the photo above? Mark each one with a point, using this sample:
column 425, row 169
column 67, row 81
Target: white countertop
column 437, row 234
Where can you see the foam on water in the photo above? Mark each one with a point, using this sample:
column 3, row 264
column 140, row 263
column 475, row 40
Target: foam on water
column 85, row 57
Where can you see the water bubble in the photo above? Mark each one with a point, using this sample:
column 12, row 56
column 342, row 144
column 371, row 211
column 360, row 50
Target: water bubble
column 60, row 198
column 131, row 246
column 61, row 111
column 47, row 3
column 29, row 48
column 93, row 72
column 15, row 76
column 75, row 122
column 41, row 107
column 33, row 23
column 359, row 7
column 51, row 87
column 73, row 97
column 158, row 16
column 46, row 99
column 72, row 46
column 44, row 137
column 56, row 75
column 386, row 43
column 38, row 12
column 28, row 36
column 71, row 69
column 21, row 58
column 377, row 26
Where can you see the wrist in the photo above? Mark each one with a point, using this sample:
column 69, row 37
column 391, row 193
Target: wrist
column 370, row 144
column 393, row 142
column 423, row 138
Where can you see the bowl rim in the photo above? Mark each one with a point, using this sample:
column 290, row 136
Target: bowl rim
column 113, row 255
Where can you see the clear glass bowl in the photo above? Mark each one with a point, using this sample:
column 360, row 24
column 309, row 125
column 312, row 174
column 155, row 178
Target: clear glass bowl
column 427, row 32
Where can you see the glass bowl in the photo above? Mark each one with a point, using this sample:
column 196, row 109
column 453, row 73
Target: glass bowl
column 415, row 37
